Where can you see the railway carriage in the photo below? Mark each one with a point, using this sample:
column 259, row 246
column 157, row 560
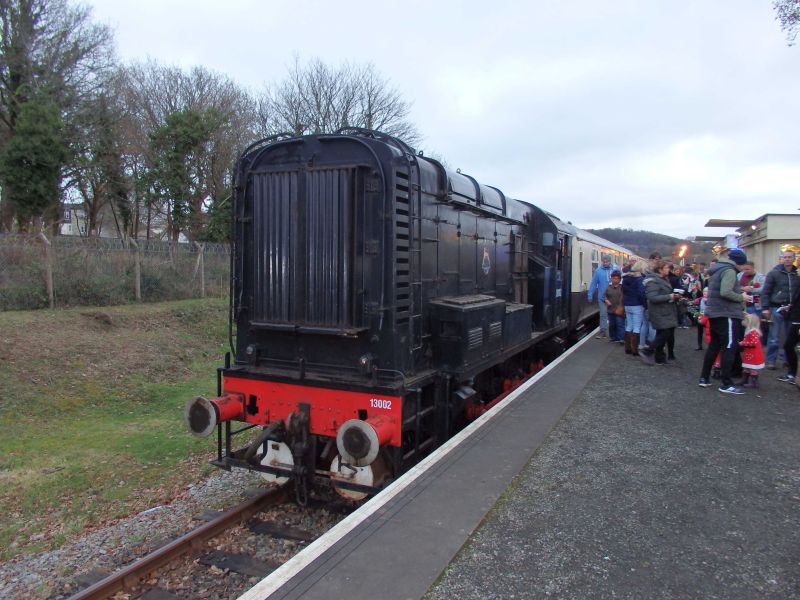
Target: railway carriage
column 379, row 301
column 586, row 251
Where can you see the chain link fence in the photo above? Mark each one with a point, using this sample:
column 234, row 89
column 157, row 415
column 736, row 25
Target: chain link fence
column 40, row 272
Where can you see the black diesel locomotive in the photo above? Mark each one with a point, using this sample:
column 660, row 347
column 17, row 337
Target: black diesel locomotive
column 379, row 302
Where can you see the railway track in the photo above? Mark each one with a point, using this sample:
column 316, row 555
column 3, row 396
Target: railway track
column 131, row 575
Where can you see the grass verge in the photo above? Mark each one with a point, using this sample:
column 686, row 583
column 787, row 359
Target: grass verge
column 91, row 408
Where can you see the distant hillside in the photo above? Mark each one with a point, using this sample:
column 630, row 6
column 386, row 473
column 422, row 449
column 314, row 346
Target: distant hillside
column 644, row 243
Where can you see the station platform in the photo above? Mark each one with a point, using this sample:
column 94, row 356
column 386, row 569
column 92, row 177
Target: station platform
column 604, row 478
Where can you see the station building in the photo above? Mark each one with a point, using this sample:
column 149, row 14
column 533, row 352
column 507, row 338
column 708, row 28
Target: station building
column 763, row 239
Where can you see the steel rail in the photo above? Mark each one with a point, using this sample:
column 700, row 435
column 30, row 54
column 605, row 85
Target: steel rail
column 130, row 575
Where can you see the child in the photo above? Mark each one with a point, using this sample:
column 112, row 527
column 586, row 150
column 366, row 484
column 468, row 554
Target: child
column 706, row 325
column 616, row 311
column 700, row 301
column 752, row 352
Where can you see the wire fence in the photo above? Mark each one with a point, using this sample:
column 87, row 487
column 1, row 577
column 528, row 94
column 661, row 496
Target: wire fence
column 40, row 272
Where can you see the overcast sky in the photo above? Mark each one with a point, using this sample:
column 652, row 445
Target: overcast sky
column 648, row 114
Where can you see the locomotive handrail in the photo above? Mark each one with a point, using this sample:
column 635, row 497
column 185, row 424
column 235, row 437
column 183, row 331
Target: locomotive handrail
column 297, row 328
column 241, row 167
column 377, row 135
column 266, row 141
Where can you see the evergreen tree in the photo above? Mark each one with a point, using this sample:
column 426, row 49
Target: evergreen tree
column 176, row 152
column 32, row 159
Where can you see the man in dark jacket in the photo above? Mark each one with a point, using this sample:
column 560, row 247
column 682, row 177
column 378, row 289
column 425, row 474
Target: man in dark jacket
column 724, row 310
column 777, row 291
column 792, row 317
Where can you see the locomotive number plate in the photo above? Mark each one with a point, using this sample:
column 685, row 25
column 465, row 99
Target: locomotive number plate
column 379, row 403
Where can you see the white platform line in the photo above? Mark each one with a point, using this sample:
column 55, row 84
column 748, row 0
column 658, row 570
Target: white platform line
column 275, row 580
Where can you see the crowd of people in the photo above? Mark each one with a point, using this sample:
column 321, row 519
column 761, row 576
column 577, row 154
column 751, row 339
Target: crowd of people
column 748, row 321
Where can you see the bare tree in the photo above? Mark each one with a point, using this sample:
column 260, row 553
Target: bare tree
column 153, row 94
column 318, row 98
column 380, row 106
column 788, row 15
column 99, row 171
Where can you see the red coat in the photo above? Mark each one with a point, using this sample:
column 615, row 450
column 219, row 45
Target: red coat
column 703, row 320
column 752, row 352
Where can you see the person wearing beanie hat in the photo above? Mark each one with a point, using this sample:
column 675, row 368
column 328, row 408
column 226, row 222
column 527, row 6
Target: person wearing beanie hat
column 737, row 256
column 724, row 310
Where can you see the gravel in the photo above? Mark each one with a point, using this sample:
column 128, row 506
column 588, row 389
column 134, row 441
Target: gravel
column 53, row 574
column 649, row 487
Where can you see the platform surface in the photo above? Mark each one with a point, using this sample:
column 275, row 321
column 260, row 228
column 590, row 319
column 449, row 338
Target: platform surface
column 607, row 478
column 649, row 487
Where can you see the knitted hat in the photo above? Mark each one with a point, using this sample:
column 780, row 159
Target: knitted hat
column 737, row 256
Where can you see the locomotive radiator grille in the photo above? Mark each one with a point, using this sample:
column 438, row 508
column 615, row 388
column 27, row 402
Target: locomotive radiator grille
column 303, row 258
column 274, row 276
column 329, row 194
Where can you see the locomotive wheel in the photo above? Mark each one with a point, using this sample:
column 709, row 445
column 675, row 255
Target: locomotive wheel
column 278, row 454
column 374, row 475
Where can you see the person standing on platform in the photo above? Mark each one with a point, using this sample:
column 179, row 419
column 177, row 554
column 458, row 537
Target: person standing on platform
column 752, row 352
column 615, row 308
column 677, row 282
column 779, row 286
column 661, row 312
column 600, row 281
column 647, row 332
column 635, row 300
column 792, row 318
column 628, row 265
column 724, row 309
column 700, row 319
column 752, row 283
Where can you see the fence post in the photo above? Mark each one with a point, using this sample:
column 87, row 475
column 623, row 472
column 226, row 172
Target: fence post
column 137, row 271
column 48, row 270
column 200, row 266
column 202, row 270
